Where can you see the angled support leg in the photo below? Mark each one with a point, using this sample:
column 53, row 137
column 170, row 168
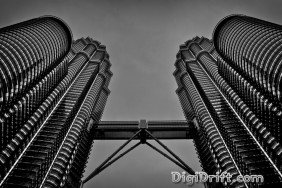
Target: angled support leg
column 167, row 156
column 143, row 134
column 106, row 163
column 118, row 157
column 189, row 170
column 98, row 170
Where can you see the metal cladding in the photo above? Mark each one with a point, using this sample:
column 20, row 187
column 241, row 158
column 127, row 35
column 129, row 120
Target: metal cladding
column 68, row 166
column 254, row 70
column 236, row 89
column 47, row 118
column 198, row 95
column 32, row 62
column 253, row 48
column 53, row 92
column 28, row 51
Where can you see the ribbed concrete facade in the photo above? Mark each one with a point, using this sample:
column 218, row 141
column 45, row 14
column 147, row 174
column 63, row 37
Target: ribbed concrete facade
column 253, row 46
column 32, row 63
column 251, row 62
column 54, row 90
column 236, row 80
column 86, row 99
column 200, row 96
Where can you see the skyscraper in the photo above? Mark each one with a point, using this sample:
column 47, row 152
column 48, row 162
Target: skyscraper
column 233, row 92
column 196, row 93
column 33, row 63
column 53, row 91
column 51, row 95
column 32, row 54
column 252, row 49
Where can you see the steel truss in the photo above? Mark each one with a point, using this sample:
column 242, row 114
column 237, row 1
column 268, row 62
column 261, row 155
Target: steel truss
column 145, row 131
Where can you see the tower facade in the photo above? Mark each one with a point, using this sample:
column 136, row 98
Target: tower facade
column 53, row 91
column 33, row 63
column 52, row 98
column 32, row 56
column 252, row 50
column 199, row 97
column 235, row 99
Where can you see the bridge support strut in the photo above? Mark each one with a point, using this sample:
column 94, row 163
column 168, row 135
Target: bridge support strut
column 142, row 134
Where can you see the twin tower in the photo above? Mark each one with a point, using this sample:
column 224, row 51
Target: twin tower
column 53, row 91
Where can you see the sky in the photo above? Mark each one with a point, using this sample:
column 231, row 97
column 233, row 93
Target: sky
column 142, row 38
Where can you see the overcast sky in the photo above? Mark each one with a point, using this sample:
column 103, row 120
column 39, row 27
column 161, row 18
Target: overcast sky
column 142, row 39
